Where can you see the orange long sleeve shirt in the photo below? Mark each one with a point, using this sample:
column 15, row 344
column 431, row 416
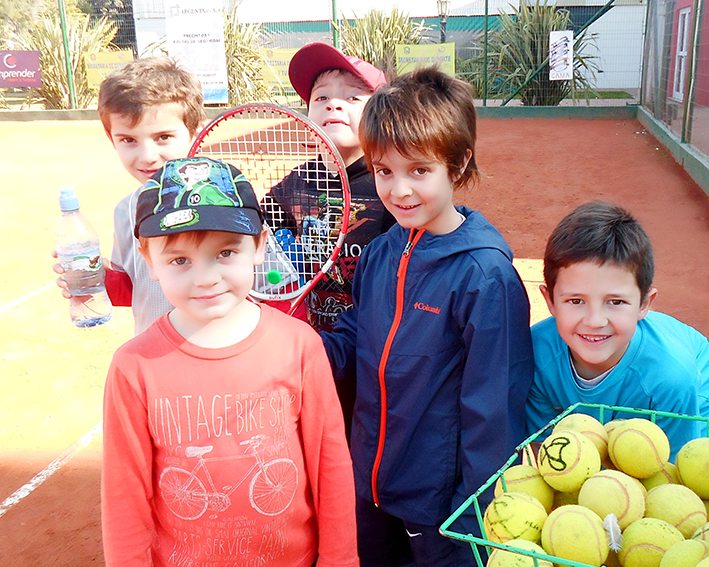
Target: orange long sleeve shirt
column 226, row 457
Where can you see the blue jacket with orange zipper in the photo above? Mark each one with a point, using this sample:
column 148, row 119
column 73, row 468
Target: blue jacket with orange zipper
column 439, row 336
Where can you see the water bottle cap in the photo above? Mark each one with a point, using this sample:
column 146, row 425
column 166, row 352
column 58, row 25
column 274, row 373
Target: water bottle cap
column 68, row 201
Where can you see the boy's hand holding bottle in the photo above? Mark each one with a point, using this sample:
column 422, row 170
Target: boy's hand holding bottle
column 81, row 265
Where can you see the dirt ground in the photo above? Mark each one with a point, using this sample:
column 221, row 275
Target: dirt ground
column 534, row 171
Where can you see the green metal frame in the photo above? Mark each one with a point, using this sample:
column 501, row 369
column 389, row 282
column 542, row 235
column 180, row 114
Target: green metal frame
column 67, row 57
column 694, row 40
column 519, row 454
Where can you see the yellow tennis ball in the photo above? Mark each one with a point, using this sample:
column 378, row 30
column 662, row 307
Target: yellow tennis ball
column 613, row 492
column 514, row 515
column 575, row 533
column 641, row 486
column 666, row 475
column 677, row 505
column 525, row 478
column 702, row 533
column 693, row 466
column 646, row 540
column 685, row 553
column 502, row 558
column 567, row 459
column 703, row 563
column 638, row 447
column 590, row 427
column 609, row 426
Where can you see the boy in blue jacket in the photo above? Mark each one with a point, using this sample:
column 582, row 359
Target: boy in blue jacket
column 439, row 332
column 603, row 345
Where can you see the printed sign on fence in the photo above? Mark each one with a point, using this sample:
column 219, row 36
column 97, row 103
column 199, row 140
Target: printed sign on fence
column 409, row 57
column 195, row 38
column 275, row 66
column 100, row 65
column 20, row 69
column 561, row 55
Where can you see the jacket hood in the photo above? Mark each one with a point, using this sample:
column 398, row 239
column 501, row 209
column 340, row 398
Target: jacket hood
column 475, row 233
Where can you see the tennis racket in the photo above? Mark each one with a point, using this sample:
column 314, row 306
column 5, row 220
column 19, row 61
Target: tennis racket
column 300, row 179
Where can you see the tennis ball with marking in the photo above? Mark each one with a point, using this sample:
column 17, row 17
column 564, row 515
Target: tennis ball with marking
column 525, row 478
column 638, row 447
column 613, row 492
column 702, row 533
column 503, row 558
column 609, row 426
column 685, row 553
column 514, row 515
column 677, row 505
column 667, row 475
column 567, row 459
column 646, row 540
column 693, row 466
column 575, row 533
column 590, row 427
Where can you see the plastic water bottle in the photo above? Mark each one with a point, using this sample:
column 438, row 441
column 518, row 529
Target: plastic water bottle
column 79, row 254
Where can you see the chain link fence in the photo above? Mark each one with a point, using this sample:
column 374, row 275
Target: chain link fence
column 675, row 85
column 610, row 44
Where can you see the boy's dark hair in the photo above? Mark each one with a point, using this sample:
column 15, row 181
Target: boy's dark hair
column 603, row 233
column 423, row 112
column 147, row 82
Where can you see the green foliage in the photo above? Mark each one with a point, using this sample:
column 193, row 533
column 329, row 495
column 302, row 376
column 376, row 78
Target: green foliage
column 15, row 16
column 521, row 45
column 373, row 37
column 83, row 38
column 243, row 60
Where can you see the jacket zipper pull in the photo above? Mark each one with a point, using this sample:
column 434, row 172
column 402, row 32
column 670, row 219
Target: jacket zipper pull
column 405, row 253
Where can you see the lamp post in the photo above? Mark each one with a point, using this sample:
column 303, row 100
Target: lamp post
column 444, row 7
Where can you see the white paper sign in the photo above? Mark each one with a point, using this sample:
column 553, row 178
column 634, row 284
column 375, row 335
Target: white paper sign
column 561, row 55
column 195, row 38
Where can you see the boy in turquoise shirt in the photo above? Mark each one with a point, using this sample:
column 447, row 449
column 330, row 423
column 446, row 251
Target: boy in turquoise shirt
column 603, row 344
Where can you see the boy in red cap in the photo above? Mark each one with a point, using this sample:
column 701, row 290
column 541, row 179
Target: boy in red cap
column 336, row 87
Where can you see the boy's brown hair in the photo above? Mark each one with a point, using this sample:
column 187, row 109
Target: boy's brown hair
column 147, row 82
column 603, row 233
column 423, row 112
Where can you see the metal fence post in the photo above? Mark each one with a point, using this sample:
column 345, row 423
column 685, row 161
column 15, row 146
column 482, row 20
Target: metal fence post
column 485, row 37
column 694, row 39
column 67, row 57
column 336, row 25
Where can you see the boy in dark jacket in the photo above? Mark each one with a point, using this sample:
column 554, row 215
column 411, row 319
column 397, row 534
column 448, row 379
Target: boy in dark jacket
column 439, row 332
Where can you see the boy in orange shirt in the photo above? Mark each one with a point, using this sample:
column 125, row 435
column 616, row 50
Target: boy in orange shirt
column 224, row 443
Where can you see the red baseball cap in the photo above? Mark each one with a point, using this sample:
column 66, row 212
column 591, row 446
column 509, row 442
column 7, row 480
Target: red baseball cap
column 314, row 58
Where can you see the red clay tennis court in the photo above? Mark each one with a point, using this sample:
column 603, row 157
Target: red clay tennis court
column 534, row 171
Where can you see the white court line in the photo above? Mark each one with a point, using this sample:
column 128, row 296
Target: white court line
column 25, row 298
column 53, row 467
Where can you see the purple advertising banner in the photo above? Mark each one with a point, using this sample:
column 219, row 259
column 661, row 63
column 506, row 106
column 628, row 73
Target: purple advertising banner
column 20, row 69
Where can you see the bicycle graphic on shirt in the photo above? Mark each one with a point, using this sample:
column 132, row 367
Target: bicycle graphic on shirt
column 271, row 490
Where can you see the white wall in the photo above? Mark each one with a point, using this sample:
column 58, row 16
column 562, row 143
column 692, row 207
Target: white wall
column 620, row 41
